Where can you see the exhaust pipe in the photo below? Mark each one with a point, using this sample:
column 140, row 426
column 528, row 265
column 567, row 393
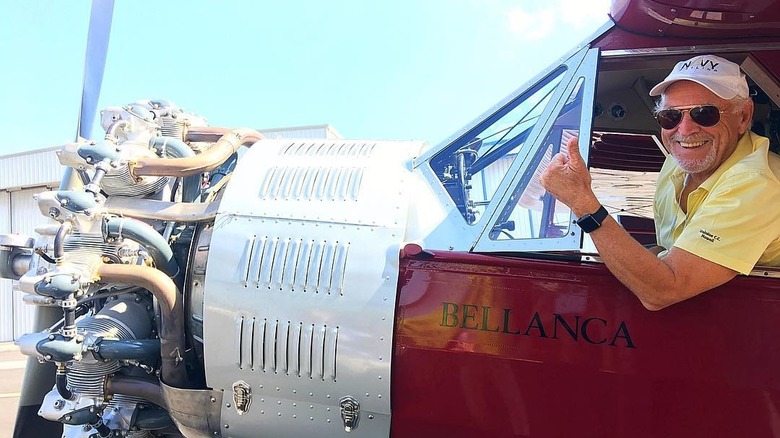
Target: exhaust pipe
column 172, row 346
column 209, row 160
column 142, row 387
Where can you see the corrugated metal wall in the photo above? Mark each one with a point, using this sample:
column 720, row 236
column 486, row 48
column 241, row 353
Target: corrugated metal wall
column 302, row 132
column 25, row 217
column 21, row 176
column 18, row 215
column 35, row 168
column 6, row 296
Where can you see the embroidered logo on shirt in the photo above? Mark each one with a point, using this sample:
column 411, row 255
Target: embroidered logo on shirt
column 706, row 235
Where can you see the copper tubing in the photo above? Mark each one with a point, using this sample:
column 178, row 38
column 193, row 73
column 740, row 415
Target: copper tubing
column 172, row 347
column 205, row 134
column 204, row 162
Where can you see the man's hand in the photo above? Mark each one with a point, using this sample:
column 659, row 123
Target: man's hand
column 568, row 180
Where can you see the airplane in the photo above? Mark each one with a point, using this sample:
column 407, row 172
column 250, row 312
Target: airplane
column 203, row 281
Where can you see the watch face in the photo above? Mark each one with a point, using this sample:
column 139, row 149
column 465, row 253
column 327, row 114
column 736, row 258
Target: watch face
column 588, row 223
column 591, row 222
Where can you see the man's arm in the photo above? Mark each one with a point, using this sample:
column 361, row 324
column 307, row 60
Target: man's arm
column 657, row 282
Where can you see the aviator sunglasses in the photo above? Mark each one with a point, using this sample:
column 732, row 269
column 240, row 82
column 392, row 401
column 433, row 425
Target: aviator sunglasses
column 704, row 115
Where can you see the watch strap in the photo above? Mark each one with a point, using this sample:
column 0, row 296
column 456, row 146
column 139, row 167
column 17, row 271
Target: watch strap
column 591, row 222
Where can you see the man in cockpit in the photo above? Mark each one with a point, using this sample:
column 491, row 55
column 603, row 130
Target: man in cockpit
column 717, row 201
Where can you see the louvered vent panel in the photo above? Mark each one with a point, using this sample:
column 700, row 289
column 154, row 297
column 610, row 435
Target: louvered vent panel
column 246, row 342
column 294, row 265
column 330, row 149
column 301, row 183
column 288, row 348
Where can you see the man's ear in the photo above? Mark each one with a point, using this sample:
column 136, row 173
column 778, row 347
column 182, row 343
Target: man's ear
column 746, row 116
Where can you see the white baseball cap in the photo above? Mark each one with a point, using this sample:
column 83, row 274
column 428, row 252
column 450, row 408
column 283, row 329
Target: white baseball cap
column 719, row 75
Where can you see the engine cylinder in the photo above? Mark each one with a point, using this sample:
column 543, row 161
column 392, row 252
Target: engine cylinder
column 121, row 319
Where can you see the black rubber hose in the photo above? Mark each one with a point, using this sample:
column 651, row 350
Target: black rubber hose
column 61, row 381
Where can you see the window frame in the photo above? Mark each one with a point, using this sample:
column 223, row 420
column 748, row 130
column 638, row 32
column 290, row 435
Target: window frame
column 583, row 64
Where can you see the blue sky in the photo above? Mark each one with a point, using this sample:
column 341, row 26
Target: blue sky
column 401, row 69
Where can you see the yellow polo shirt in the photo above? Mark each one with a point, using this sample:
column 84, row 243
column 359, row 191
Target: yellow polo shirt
column 733, row 218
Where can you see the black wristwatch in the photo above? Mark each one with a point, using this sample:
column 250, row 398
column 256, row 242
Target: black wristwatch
column 591, row 222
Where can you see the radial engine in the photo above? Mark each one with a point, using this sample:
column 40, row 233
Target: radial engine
column 113, row 259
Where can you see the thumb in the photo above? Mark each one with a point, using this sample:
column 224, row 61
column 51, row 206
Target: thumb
column 559, row 159
column 574, row 153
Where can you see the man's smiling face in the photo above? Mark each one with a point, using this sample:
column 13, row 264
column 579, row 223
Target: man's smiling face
column 700, row 150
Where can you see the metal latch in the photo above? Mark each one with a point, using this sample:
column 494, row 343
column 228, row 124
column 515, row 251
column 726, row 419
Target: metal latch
column 242, row 397
column 350, row 412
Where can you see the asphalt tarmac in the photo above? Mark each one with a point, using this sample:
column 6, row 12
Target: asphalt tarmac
column 12, row 364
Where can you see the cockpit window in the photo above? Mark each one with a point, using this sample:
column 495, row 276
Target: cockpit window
column 532, row 212
column 473, row 166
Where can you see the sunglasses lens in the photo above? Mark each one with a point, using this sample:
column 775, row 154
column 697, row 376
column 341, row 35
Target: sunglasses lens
column 669, row 118
column 706, row 115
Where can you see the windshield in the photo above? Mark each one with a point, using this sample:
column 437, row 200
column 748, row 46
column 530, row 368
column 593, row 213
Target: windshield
column 532, row 212
column 473, row 166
